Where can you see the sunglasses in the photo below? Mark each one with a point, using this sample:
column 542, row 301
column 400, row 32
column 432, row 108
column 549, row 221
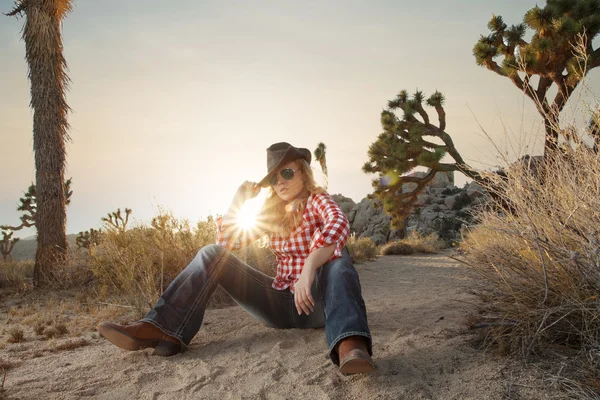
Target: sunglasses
column 286, row 173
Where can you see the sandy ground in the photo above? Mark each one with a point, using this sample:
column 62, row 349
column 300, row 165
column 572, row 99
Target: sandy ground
column 422, row 349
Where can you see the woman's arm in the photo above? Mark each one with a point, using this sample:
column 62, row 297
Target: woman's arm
column 302, row 290
column 327, row 244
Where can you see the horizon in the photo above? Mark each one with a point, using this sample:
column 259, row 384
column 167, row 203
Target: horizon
column 174, row 108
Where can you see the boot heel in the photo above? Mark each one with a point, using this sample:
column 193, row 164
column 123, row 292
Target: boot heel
column 166, row 349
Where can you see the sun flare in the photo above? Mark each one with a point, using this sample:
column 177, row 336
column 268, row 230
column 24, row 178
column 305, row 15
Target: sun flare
column 246, row 217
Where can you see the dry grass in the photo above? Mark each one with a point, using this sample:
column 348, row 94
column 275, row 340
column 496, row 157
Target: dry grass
column 138, row 264
column 414, row 243
column 71, row 344
column 537, row 254
column 361, row 249
column 16, row 274
column 397, row 247
column 16, row 335
column 427, row 244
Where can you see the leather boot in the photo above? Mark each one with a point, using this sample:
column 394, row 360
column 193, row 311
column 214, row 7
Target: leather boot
column 354, row 356
column 139, row 336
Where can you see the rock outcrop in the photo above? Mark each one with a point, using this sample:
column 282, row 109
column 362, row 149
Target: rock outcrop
column 441, row 207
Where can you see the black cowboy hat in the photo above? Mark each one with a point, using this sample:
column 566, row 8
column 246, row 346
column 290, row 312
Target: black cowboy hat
column 281, row 153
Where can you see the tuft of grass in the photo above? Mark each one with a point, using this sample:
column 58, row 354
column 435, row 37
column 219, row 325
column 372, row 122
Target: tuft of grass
column 6, row 365
column 537, row 254
column 397, row 247
column 361, row 249
column 50, row 333
column 16, row 335
column 39, row 329
column 428, row 244
column 71, row 344
column 61, row 328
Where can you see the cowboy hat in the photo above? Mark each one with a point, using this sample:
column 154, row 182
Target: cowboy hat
column 279, row 154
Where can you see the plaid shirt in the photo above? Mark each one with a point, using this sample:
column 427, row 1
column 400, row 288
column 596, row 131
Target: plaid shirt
column 323, row 224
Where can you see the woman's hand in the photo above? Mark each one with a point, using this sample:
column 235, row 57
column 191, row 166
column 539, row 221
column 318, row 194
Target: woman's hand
column 247, row 190
column 302, row 291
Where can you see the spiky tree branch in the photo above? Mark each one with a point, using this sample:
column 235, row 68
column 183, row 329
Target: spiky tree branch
column 7, row 243
column 407, row 143
column 560, row 53
column 115, row 221
column 88, row 239
column 28, row 205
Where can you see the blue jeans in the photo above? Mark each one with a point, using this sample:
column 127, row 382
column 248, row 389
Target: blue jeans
column 339, row 304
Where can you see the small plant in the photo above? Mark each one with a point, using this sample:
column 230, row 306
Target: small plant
column 16, row 335
column 361, row 249
column 39, row 329
column 428, row 244
column 61, row 328
column 397, row 247
column 50, row 333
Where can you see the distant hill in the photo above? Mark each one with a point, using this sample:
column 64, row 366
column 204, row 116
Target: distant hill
column 25, row 248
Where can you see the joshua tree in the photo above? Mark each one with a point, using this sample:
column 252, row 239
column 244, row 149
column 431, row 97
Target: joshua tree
column 7, row 243
column 115, row 221
column 559, row 54
column 320, row 156
column 88, row 239
column 47, row 73
column 407, row 143
column 28, row 205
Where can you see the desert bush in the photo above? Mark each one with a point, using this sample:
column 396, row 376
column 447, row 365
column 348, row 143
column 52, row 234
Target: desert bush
column 537, row 254
column 415, row 242
column 16, row 335
column 139, row 263
column 361, row 249
column 428, row 244
column 16, row 273
column 397, row 247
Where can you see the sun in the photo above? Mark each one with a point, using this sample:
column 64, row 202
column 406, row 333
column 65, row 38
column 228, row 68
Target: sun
column 246, row 217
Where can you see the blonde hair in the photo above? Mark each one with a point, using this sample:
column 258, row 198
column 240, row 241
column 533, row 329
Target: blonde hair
column 281, row 217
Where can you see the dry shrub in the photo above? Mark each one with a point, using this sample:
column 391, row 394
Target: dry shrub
column 16, row 335
column 397, row 247
column 138, row 264
column 16, row 274
column 428, row 244
column 361, row 249
column 537, row 254
column 71, row 344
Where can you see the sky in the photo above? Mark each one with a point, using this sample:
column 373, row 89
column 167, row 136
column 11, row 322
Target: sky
column 174, row 104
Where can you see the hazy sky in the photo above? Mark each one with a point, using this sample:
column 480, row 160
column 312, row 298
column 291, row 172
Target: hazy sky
column 174, row 104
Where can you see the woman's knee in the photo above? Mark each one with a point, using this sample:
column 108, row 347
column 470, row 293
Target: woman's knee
column 211, row 250
column 340, row 268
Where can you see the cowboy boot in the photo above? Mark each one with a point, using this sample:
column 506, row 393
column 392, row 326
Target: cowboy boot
column 139, row 336
column 354, row 356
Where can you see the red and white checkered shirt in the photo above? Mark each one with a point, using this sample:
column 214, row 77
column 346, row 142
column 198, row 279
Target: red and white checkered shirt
column 323, row 224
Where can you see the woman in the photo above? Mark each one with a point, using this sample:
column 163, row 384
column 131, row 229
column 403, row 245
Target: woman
column 316, row 284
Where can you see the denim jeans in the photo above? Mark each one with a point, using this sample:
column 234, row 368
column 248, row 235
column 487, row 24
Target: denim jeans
column 339, row 304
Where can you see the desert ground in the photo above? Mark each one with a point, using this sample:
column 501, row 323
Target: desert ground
column 423, row 349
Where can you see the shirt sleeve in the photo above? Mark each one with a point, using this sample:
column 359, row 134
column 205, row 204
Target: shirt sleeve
column 335, row 227
column 233, row 237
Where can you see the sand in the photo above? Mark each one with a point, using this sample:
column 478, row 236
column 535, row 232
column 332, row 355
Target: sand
column 416, row 305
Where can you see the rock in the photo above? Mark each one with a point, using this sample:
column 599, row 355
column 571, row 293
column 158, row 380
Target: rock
column 345, row 203
column 474, row 190
column 450, row 201
column 369, row 220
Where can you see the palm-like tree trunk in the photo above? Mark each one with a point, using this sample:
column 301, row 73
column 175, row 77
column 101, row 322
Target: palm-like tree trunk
column 47, row 74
